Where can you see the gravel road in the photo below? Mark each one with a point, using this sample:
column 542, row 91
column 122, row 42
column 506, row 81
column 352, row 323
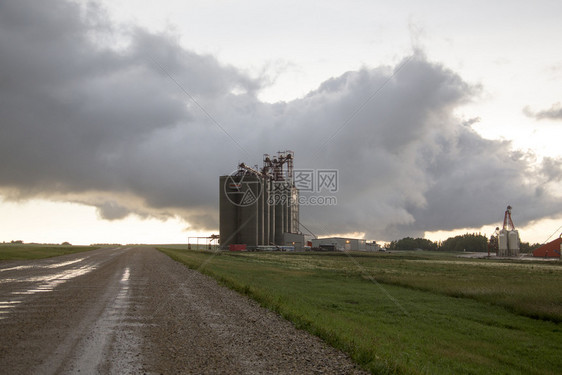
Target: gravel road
column 136, row 311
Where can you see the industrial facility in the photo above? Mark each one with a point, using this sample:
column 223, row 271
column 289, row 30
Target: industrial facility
column 508, row 237
column 259, row 208
column 344, row 244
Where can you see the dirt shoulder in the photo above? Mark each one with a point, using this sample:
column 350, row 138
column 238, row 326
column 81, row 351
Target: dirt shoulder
column 198, row 326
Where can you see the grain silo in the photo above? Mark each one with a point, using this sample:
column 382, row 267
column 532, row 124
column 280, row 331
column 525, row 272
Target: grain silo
column 508, row 237
column 259, row 208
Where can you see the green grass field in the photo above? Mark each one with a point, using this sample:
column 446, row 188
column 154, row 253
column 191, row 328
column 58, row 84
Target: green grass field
column 22, row 252
column 420, row 313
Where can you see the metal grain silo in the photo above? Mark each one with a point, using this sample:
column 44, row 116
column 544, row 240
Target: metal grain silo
column 272, row 212
column 282, row 192
column 293, row 216
column 513, row 243
column 228, row 210
column 503, row 247
column 249, row 226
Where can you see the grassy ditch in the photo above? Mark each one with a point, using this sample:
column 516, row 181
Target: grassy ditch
column 409, row 312
column 24, row 252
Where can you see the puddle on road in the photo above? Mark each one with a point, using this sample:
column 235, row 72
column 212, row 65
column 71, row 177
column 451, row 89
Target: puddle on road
column 58, row 265
column 50, row 282
column 47, row 283
column 39, row 266
column 121, row 300
column 17, row 268
column 126, row 274
column 7, row 306
column 44, row 284
column 94, row 348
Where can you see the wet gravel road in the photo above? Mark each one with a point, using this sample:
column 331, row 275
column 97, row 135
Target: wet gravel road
column 136, row 311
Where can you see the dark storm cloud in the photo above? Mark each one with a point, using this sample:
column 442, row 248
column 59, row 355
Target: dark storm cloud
column 112, row 211
column 80, row 116
column 148, row 126
column 408, row 165
column 553, row 113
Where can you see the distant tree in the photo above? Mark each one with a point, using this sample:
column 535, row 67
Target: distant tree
column 409, row 243
column 526, row 248
column 19, row 242
column 66, row 244
column 465, row 242
column 493, row 244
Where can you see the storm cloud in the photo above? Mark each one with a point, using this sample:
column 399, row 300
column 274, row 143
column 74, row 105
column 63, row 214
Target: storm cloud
column 131, row 122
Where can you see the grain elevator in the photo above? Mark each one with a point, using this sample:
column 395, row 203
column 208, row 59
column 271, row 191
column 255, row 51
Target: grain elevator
column 259, row 208
column 508, row 237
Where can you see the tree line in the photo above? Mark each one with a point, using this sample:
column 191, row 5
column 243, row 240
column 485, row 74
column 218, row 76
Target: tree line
column 465, row 242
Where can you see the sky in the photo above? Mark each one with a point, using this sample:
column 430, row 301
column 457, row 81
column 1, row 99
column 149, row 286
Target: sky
column 118, row 117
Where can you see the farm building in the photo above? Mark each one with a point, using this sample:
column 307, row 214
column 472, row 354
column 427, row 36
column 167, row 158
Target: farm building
column 549, row 250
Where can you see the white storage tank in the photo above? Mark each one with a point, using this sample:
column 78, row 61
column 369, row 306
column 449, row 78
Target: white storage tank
column 502, row 243
column 513, row 242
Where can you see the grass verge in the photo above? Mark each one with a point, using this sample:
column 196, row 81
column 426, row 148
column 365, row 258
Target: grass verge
column 403, row 313
column 25, row 252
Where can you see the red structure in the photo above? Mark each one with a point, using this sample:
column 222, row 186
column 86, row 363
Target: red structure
column 507, row 222
column 549, row 250
column 237, row 247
